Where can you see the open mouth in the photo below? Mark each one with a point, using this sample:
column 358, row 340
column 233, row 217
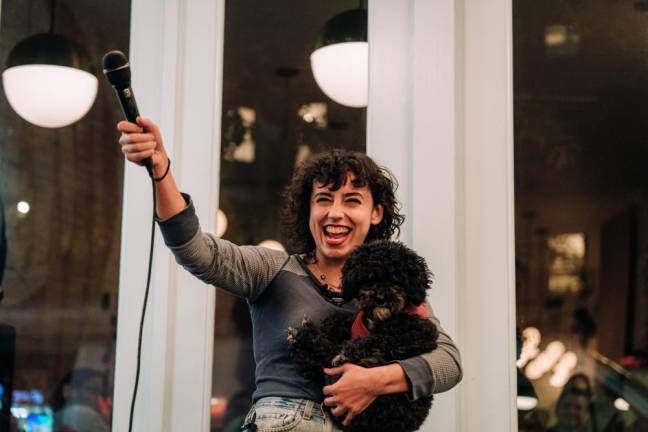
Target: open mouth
column 336, row 234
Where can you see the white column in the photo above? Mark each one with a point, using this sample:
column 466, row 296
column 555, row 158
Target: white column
column 487, row 265
column 175, row 56
column 411, row 129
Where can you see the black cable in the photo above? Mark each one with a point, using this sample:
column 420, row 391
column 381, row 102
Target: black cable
column 141, row 328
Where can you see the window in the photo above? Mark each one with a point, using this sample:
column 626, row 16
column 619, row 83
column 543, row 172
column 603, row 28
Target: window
column 581, row 214
column 60, row 192
column 274, row 116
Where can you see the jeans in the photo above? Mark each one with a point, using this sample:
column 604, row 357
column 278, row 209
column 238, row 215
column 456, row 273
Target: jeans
column 283, row 414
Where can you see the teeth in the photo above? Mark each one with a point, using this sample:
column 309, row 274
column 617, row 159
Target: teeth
column 336, row 230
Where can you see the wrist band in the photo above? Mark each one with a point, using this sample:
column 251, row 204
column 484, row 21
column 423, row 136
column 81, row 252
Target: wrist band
column 157, row 179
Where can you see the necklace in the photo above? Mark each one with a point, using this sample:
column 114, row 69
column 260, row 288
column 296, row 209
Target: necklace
column 329, row 286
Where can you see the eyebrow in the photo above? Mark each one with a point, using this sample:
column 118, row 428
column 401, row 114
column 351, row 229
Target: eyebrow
column 354, row 194
column 346, row 195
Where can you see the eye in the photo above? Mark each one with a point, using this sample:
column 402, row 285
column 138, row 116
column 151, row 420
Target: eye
column 354, row 200
column 322, row 198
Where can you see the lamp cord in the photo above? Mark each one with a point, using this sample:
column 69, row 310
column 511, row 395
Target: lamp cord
column 141, row 327
column 52, row 15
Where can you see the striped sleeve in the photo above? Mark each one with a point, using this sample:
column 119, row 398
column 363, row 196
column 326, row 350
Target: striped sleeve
column 436, row 371
column 244, row 271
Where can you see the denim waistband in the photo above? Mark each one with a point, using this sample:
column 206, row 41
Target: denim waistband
column 307, row 407
column 309, row 415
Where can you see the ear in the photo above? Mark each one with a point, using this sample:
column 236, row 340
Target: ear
column 377, row 214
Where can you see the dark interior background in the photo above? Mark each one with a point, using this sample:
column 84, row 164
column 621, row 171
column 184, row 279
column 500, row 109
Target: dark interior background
column 62, row 265
column 581, row 146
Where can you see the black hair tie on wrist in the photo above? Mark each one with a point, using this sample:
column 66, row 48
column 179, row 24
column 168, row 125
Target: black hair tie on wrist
column 157, row 179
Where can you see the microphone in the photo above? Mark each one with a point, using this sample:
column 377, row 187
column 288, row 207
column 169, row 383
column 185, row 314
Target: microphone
column 117, row 71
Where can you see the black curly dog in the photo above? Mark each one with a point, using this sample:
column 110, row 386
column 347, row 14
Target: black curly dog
column 387, row 281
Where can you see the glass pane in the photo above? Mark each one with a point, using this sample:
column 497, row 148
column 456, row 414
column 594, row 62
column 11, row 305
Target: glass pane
column 60, row 197
column 274, row 116
column 581, row 214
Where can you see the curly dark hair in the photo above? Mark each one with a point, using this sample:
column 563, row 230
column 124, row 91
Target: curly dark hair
column 331, row 168
column 381, row 264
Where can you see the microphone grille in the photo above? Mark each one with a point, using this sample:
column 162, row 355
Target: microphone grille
column 113, row 60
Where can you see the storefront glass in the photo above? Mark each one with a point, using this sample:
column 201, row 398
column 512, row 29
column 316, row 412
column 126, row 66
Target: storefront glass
column 581, row 214
column 274, row 117
column 60, row 204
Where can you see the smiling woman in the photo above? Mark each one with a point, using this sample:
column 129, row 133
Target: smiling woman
column 335, row 202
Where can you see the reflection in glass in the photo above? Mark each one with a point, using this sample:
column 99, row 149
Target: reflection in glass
column 581, row 214
column 60, row 196
column 274, row 117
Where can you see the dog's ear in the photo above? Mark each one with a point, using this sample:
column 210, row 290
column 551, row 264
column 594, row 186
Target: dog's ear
column 419, row 276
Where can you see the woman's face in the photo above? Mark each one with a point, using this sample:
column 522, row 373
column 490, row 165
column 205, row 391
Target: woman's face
column 340, row 220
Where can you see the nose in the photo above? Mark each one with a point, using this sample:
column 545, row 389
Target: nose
column 335, row 210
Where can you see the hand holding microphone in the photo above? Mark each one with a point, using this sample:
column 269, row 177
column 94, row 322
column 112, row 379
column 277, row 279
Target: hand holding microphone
column 141, row 141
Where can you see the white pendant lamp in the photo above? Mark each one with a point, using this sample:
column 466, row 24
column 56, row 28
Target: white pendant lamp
column 340, row 61
column 48, row 81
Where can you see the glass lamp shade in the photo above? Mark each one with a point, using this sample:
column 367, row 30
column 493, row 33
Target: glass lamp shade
column 49, row 96
column 340, row 60
column 49, row 80
column 341, row 70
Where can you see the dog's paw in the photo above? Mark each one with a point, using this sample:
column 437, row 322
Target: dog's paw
column 307, row 321
column 292, row 336
column 339, row 359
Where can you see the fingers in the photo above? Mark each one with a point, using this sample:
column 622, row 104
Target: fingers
column 131, row 138
column 335, row 371
column 330, row 401
column 148, row 125
column 338, row 411
column 336, row 408
column 140, row 156
column 349, row 418
column 139, row 147
column 128, row 127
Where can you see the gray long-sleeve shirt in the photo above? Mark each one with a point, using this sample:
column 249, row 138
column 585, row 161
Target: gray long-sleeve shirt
column 280, row 290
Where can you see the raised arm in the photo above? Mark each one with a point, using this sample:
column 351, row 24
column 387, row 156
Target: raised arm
column 242, row 270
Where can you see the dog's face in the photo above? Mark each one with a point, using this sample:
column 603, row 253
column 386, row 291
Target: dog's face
column 380, row 302
column 385, row 277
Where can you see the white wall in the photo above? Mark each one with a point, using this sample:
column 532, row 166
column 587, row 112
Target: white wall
column 411, row 130
column 486, row 311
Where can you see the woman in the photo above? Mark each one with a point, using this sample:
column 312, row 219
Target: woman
column 334, row 203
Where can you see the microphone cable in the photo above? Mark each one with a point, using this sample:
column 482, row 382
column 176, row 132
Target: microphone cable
column 117, row 70
column 146, row 294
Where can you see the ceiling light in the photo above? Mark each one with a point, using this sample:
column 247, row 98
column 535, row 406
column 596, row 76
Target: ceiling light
column 340, row 61
column 23, row 207
column 48, row 81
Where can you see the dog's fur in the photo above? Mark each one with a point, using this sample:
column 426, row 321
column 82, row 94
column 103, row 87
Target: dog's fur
column 383, row 278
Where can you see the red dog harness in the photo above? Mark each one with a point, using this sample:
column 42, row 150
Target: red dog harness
column 359, row 329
